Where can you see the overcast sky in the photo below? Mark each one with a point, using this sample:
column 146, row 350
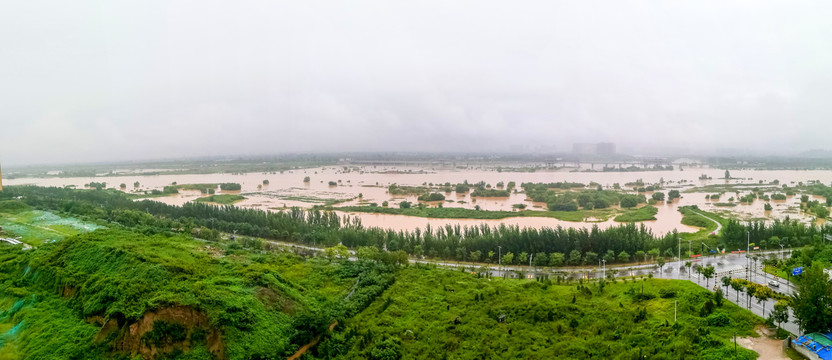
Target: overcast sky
column 88, row 81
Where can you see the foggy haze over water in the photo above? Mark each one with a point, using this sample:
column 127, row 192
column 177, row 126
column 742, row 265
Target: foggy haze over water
column 123, row 80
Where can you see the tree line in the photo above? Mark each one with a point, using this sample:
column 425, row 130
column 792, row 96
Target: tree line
column 558, row 246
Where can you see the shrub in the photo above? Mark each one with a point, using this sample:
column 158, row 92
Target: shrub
column 719, row 320
column 667, row 293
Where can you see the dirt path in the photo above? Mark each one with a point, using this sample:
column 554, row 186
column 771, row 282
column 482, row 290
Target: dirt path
column 312, row 343
column 768, row 348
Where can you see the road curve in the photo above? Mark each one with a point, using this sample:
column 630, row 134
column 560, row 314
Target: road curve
column 718, row 224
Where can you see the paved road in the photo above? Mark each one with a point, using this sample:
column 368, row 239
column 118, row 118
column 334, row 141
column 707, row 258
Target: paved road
column 718, row 224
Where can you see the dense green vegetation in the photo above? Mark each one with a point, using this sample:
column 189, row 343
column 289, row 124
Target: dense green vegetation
column 203, row 188
column 266, row 303
column 432, row 197
column 489, row 193
column 559, row 200
column 230, row 187
column 223, row 199
column 395, row 189
column 73, row 299
column 435, row 314
column 326, row 228
column 449, row 242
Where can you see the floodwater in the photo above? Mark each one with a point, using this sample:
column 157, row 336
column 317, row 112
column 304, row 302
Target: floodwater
column 287, row 189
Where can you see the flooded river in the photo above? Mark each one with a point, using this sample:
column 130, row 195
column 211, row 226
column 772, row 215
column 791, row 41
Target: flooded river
column 368, row 184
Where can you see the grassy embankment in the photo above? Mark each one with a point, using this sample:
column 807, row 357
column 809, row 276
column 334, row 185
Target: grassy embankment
column 182, row 298
column 222, row 199
column 434, row 314
column 631, row 215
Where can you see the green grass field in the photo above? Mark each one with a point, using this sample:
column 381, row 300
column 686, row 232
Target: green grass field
column 643, row 213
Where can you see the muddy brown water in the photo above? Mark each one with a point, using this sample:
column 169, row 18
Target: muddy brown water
column 287, row 189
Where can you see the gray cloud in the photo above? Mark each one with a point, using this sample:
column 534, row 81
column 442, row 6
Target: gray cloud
column 112, row 80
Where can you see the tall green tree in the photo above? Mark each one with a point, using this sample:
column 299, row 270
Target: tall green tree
column 737, row 287
column 750, row 291
column 708, row 273
column 779, row 314
column 811, row 302
column 508, row 258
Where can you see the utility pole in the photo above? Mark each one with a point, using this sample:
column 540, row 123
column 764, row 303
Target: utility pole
column 500, row 256
column 680, row 250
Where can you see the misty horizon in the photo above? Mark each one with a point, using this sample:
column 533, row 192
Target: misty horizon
column 94, row 82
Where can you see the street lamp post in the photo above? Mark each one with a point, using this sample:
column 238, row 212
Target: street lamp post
column 604, row 271
column 499, row 256
column 747, row 249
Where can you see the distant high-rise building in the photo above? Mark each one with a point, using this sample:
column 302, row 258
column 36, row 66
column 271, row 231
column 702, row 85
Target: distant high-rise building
column 594, row 148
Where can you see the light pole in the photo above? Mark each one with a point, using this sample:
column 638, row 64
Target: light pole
column 747, row 249
column 781, row 251
column 680, row 250
column 499, row 256
column 604, row 268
